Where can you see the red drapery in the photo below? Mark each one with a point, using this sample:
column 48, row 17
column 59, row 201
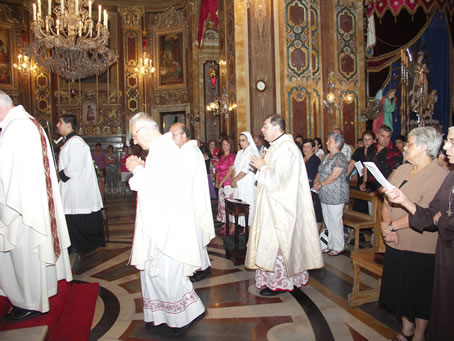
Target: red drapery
column 207, row 7
column 379, row 7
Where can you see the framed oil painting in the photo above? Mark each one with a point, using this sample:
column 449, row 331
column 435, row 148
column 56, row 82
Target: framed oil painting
column 171, row 59
column 89, row 113
column 7, row 53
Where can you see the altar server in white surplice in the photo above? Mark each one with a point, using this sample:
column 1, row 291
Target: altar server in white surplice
column 165, row 247
column 284, row 241
column 197, row 179
column 79, row 189
column 34, row 238
column 243, row 182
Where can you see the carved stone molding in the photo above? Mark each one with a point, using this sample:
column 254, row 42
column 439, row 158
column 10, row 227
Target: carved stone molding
column 171, row 97
column 7, row 14
column 131, row 16
column 171, row 17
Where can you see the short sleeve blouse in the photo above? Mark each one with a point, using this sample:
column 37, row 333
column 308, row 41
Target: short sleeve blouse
column 337, row 192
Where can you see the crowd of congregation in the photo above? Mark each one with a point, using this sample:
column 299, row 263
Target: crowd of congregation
column 414, row 285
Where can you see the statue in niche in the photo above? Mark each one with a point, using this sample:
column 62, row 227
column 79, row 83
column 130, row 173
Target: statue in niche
column 418, row 71
column 429, row 105
column 90, row 114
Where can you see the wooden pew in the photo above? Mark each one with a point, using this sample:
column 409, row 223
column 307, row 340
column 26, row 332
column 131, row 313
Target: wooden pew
column 359, row 221
column 364, row 259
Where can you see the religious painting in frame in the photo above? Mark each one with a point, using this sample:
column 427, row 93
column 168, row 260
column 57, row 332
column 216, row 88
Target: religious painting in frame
column 171, row 59
column 7, row 53
column 89, row 113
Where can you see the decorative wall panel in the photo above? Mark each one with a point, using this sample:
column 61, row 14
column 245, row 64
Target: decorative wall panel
column 261, row 66
column 42, row 98
column 347, row 43
column 350, row 65
column 303, row 69
column 132, row 85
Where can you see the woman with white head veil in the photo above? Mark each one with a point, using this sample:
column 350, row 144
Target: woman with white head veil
column 243, row 182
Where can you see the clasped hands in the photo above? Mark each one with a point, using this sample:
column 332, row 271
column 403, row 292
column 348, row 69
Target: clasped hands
column 132, row 162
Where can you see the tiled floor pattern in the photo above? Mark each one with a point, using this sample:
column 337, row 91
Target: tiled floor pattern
column 235, row 310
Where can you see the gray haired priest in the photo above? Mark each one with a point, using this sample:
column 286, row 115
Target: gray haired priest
column 34, row 237
column 165, row 247
column 284, row 241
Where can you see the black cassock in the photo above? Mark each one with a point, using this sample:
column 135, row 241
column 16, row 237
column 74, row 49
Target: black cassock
column 442, row 320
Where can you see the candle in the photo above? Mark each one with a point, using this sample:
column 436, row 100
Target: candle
column 49, row 7
column 105, row 18
column 34, row 12
column 89, row 8
column 39, row 8
column 62, row 7
column 99, row 13
column 57, row 24
column 76, row 6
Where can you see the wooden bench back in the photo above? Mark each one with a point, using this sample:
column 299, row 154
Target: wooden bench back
column 375, row 216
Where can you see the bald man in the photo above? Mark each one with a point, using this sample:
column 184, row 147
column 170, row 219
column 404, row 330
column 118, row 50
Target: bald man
column 195, row 170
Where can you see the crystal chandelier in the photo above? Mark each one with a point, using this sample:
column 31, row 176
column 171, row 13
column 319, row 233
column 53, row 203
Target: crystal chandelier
column 24, row 64
column 68, row 41
column 330, row 101
column 145, row 65
column 221, row 106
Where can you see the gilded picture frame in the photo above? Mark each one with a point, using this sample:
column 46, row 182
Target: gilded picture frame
column 170, row 57
column 8, row 79
column 89, row 113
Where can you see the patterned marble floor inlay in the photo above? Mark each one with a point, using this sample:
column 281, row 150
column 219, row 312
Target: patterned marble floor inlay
column 235, row 308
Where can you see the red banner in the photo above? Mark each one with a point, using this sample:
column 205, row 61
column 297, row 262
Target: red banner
column 207, row 7
column 379, row 7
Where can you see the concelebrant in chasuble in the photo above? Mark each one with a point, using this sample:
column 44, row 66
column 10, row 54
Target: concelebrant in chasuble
column 34, row 237
column 165, row 247
column 284, row 241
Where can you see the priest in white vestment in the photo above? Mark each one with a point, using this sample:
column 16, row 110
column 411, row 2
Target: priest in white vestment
column 79, row 189
column 244, row 183
column 197, row 181
column 165, row 247
column 283, row 241
column 34, row 238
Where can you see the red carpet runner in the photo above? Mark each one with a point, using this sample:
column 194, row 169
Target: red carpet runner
column 70, row 316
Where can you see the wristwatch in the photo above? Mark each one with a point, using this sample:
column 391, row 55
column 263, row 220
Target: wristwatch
column 391, row 227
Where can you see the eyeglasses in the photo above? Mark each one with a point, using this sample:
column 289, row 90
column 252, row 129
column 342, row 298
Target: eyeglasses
column 450, row 141
column 134, row 136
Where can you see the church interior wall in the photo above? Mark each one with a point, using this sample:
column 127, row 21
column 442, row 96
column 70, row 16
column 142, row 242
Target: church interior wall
column 291, row 46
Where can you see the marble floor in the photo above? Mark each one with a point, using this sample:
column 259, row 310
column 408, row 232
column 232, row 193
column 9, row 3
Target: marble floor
column 235, row 309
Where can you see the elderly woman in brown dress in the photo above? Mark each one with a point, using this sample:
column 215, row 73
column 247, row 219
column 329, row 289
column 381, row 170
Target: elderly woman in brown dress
column 437, row 217
column 408, row 271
